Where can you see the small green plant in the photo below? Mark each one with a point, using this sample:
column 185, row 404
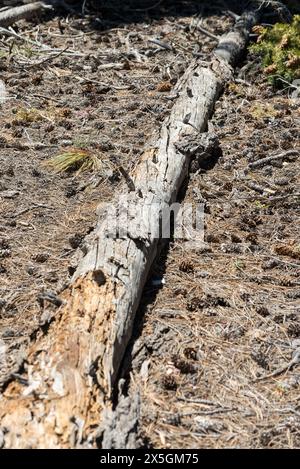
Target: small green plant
column 262, row 110
column 75, row 159
column 82, row 143
column 28, row 115
column 279, row 47
column 239, row 264
column 260, row 205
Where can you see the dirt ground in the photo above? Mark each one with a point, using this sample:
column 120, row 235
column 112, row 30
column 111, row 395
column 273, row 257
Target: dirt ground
column 226, row 315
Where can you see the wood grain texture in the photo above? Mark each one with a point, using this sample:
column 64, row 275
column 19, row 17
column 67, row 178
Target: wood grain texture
column 71, row 370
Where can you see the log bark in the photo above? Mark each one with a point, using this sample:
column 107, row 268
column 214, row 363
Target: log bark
column 118, row 429
column 71, row 371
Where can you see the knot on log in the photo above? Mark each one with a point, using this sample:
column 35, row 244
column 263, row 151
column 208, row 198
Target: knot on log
column 202, row 149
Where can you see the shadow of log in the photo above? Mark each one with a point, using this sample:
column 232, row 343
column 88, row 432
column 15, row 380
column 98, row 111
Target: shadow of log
column 107, row 14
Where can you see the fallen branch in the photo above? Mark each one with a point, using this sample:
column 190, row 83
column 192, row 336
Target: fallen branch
column 207, row 33
column 268, row 159
column 293, row 362
column 71, row 372
column 12, row 15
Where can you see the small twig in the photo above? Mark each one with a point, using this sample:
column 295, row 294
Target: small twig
column 286, row 196
column 47, row 59
column 294, row 361
column 207, row 412
column 83, row 7
column 291, row 264
column 198, row 401
column 49, row 98
column 255, row 187
column 161, row 44
column 21, row 12
column 44, row 48
column 111, row 66
column 257, row 197
column 207, row 33
column 263, row 161
column 10, row 32
column 232, row 14
column 25, row 210
column 242, row 82
column 101, row 83
column 130, row 50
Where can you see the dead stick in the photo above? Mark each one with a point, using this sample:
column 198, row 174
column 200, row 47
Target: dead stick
column 294, row 361
column 15, row 14
column 268, row 159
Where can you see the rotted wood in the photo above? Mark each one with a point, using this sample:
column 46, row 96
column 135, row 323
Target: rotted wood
column 71, row 371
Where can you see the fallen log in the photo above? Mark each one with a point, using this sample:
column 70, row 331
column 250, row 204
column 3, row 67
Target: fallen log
column 71, row 370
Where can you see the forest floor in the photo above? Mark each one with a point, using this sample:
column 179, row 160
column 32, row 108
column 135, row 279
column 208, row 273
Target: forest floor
column 218, row 319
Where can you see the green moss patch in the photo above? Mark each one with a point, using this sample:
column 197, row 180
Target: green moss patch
column 279, row 47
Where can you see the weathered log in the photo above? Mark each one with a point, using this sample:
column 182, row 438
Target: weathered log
column 71, row 370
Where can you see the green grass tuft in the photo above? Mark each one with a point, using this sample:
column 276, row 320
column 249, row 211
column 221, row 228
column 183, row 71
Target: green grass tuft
column 75, row 159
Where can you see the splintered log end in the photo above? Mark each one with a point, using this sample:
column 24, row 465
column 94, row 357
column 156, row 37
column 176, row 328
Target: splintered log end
column 60, row 400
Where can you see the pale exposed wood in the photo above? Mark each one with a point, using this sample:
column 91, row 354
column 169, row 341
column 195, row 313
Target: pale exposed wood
column 3, row 92
column 72, row 370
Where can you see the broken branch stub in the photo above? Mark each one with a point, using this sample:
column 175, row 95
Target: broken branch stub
column 72, row 370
